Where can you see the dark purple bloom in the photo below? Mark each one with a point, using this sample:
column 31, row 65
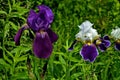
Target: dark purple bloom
column 89, row 52
column 44, row 36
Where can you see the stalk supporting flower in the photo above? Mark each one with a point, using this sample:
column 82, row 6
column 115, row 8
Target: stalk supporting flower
column 91, row 39
column 116, row 34
column 40, row 23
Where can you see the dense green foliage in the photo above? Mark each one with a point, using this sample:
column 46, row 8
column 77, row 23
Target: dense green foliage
column 62, row 64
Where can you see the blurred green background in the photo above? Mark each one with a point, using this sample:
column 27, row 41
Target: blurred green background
column 62, row 64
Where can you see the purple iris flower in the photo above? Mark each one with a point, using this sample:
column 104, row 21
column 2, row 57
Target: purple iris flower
column 39, row 23
column 89, row 50
column 91, row 40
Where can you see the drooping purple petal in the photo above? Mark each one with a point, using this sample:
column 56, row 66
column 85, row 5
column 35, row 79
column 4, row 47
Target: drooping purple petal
column 102, row 47
column 104, row 43
column 42, row 46
column 48, row 12
column 31, row 20
column 53, row 36
column 107, row 43
column 117, row 46
column 18, row 34
column 89, row 52
column 72, row 45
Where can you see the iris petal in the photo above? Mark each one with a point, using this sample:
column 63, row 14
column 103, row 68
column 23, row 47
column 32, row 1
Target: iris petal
column 106, row 38
column 53, row 36
column 89, row 52
column 48, row 13
column 107, row 43
column 117, row 46
column 102, row 47
column 31, row 20
column 18, row 35
column 42, row 46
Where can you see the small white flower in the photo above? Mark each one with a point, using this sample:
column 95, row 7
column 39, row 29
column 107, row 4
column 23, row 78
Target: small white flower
column 85, row 26
column 116, row 33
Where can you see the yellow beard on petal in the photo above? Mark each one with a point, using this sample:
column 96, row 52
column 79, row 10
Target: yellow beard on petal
column 88, row 42
column 118, row 41
column 98, row 42
column 42, row 32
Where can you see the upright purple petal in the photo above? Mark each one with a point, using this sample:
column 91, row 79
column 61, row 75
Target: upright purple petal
column 18, row 34
column 40, row 20
column 117, row 46
column 53, row 36
column 48, row 13
column 31, row 20
column 42, row 46
column 89, row 52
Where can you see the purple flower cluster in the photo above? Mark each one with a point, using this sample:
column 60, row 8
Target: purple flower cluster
column 40, row 24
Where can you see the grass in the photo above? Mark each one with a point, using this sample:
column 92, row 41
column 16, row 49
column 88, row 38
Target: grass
column 62, row 64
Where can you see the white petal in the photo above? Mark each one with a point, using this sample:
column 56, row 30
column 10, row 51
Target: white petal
column 80, row 35
column 116, row 33
column 94, row 33
column 85, row 26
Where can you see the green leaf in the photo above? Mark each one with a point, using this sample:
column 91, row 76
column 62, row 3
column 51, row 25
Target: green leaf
column 75, row 75
column 22, row 58
column 15, row 27
column 20, row 76
column 3, row 62
column 7, row 59
column 3, row 12
column 6, row 30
